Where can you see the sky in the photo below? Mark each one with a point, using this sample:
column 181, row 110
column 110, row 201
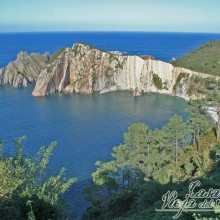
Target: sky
column 110, row 15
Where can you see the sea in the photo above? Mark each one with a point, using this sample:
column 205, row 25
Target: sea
column 86, row 127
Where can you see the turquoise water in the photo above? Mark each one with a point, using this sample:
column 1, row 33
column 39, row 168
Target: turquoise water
column 86, row 127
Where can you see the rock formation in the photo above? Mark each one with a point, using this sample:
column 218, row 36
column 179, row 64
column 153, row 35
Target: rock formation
column 24, row 70
column 85, row 69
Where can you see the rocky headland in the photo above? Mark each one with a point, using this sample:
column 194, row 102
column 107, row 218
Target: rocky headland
column 24, row 70
column 86, row 69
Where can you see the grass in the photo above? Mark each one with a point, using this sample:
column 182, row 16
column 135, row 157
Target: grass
column 205, row 59
column 56, row 55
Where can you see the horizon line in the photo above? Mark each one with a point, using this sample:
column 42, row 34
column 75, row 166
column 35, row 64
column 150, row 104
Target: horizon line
column 108, row 31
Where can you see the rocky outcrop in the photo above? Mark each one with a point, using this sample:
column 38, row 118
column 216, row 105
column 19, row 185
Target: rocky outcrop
column 24, row 70
column 85, row 69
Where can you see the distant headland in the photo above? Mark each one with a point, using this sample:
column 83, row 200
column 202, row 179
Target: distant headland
column 87, row 69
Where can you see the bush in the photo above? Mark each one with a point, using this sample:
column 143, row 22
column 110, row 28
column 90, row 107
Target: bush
column 157, row 81
column 24, row 179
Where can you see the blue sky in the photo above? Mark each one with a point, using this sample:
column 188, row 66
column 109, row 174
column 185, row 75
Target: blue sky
column 110, row 15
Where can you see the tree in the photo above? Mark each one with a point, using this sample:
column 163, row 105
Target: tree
column 106, row 175
column 155, row 161
column 198, row 121
column 176, row 134
column 136, row 142
column 211, row 93
column 24, row 179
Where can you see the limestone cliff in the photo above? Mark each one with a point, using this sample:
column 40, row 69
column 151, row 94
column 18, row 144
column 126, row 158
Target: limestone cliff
column 85, row 69
column 24, row 70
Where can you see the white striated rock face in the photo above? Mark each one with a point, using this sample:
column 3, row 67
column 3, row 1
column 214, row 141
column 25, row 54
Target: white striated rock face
column 212, row 112
column 24, row 70
column 85, row 69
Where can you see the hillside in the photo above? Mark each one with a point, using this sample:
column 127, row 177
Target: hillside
column 205, row 59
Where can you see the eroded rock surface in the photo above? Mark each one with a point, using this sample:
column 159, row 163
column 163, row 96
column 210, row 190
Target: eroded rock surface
column 85, row 69
column 24, row 70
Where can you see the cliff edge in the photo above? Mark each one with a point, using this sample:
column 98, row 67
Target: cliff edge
column 86, row 69
column 24, row 70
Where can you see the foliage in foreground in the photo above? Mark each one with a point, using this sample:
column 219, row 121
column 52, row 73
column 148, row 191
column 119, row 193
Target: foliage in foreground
column 151, row 162
column 26, row 191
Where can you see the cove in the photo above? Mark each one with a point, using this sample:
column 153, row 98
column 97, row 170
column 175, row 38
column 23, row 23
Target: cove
column 86, row 127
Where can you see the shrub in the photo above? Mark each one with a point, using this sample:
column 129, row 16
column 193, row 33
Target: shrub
column 157, row 81
column 24, row 180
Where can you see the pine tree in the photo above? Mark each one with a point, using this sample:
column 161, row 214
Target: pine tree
column 177, row 135
column 211, row 92
column 198, row 121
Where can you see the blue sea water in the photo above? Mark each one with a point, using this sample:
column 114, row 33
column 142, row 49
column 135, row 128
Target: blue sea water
column 86, row 127
column 163, row 46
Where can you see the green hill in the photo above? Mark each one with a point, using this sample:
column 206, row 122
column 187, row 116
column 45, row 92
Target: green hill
column 205, row 59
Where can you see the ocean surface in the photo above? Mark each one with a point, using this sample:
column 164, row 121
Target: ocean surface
column 86, row 127
column 163, row 46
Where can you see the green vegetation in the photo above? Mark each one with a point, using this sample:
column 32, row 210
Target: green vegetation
column 150, row 162
column 76, row 50
column 144, row 167
column 53, row 59
column 205, row 59
column 26, row 190
column 209, row 90
column 49, row 69
column 56, row 55
column 180, row 77
column 114, row 57
column 211, row 98
column 195, row 83
column 89, row 45
column 157, row 81
column 147, row 165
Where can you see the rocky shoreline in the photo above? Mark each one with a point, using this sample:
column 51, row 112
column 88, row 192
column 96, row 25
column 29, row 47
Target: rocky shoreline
column 86, row 69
